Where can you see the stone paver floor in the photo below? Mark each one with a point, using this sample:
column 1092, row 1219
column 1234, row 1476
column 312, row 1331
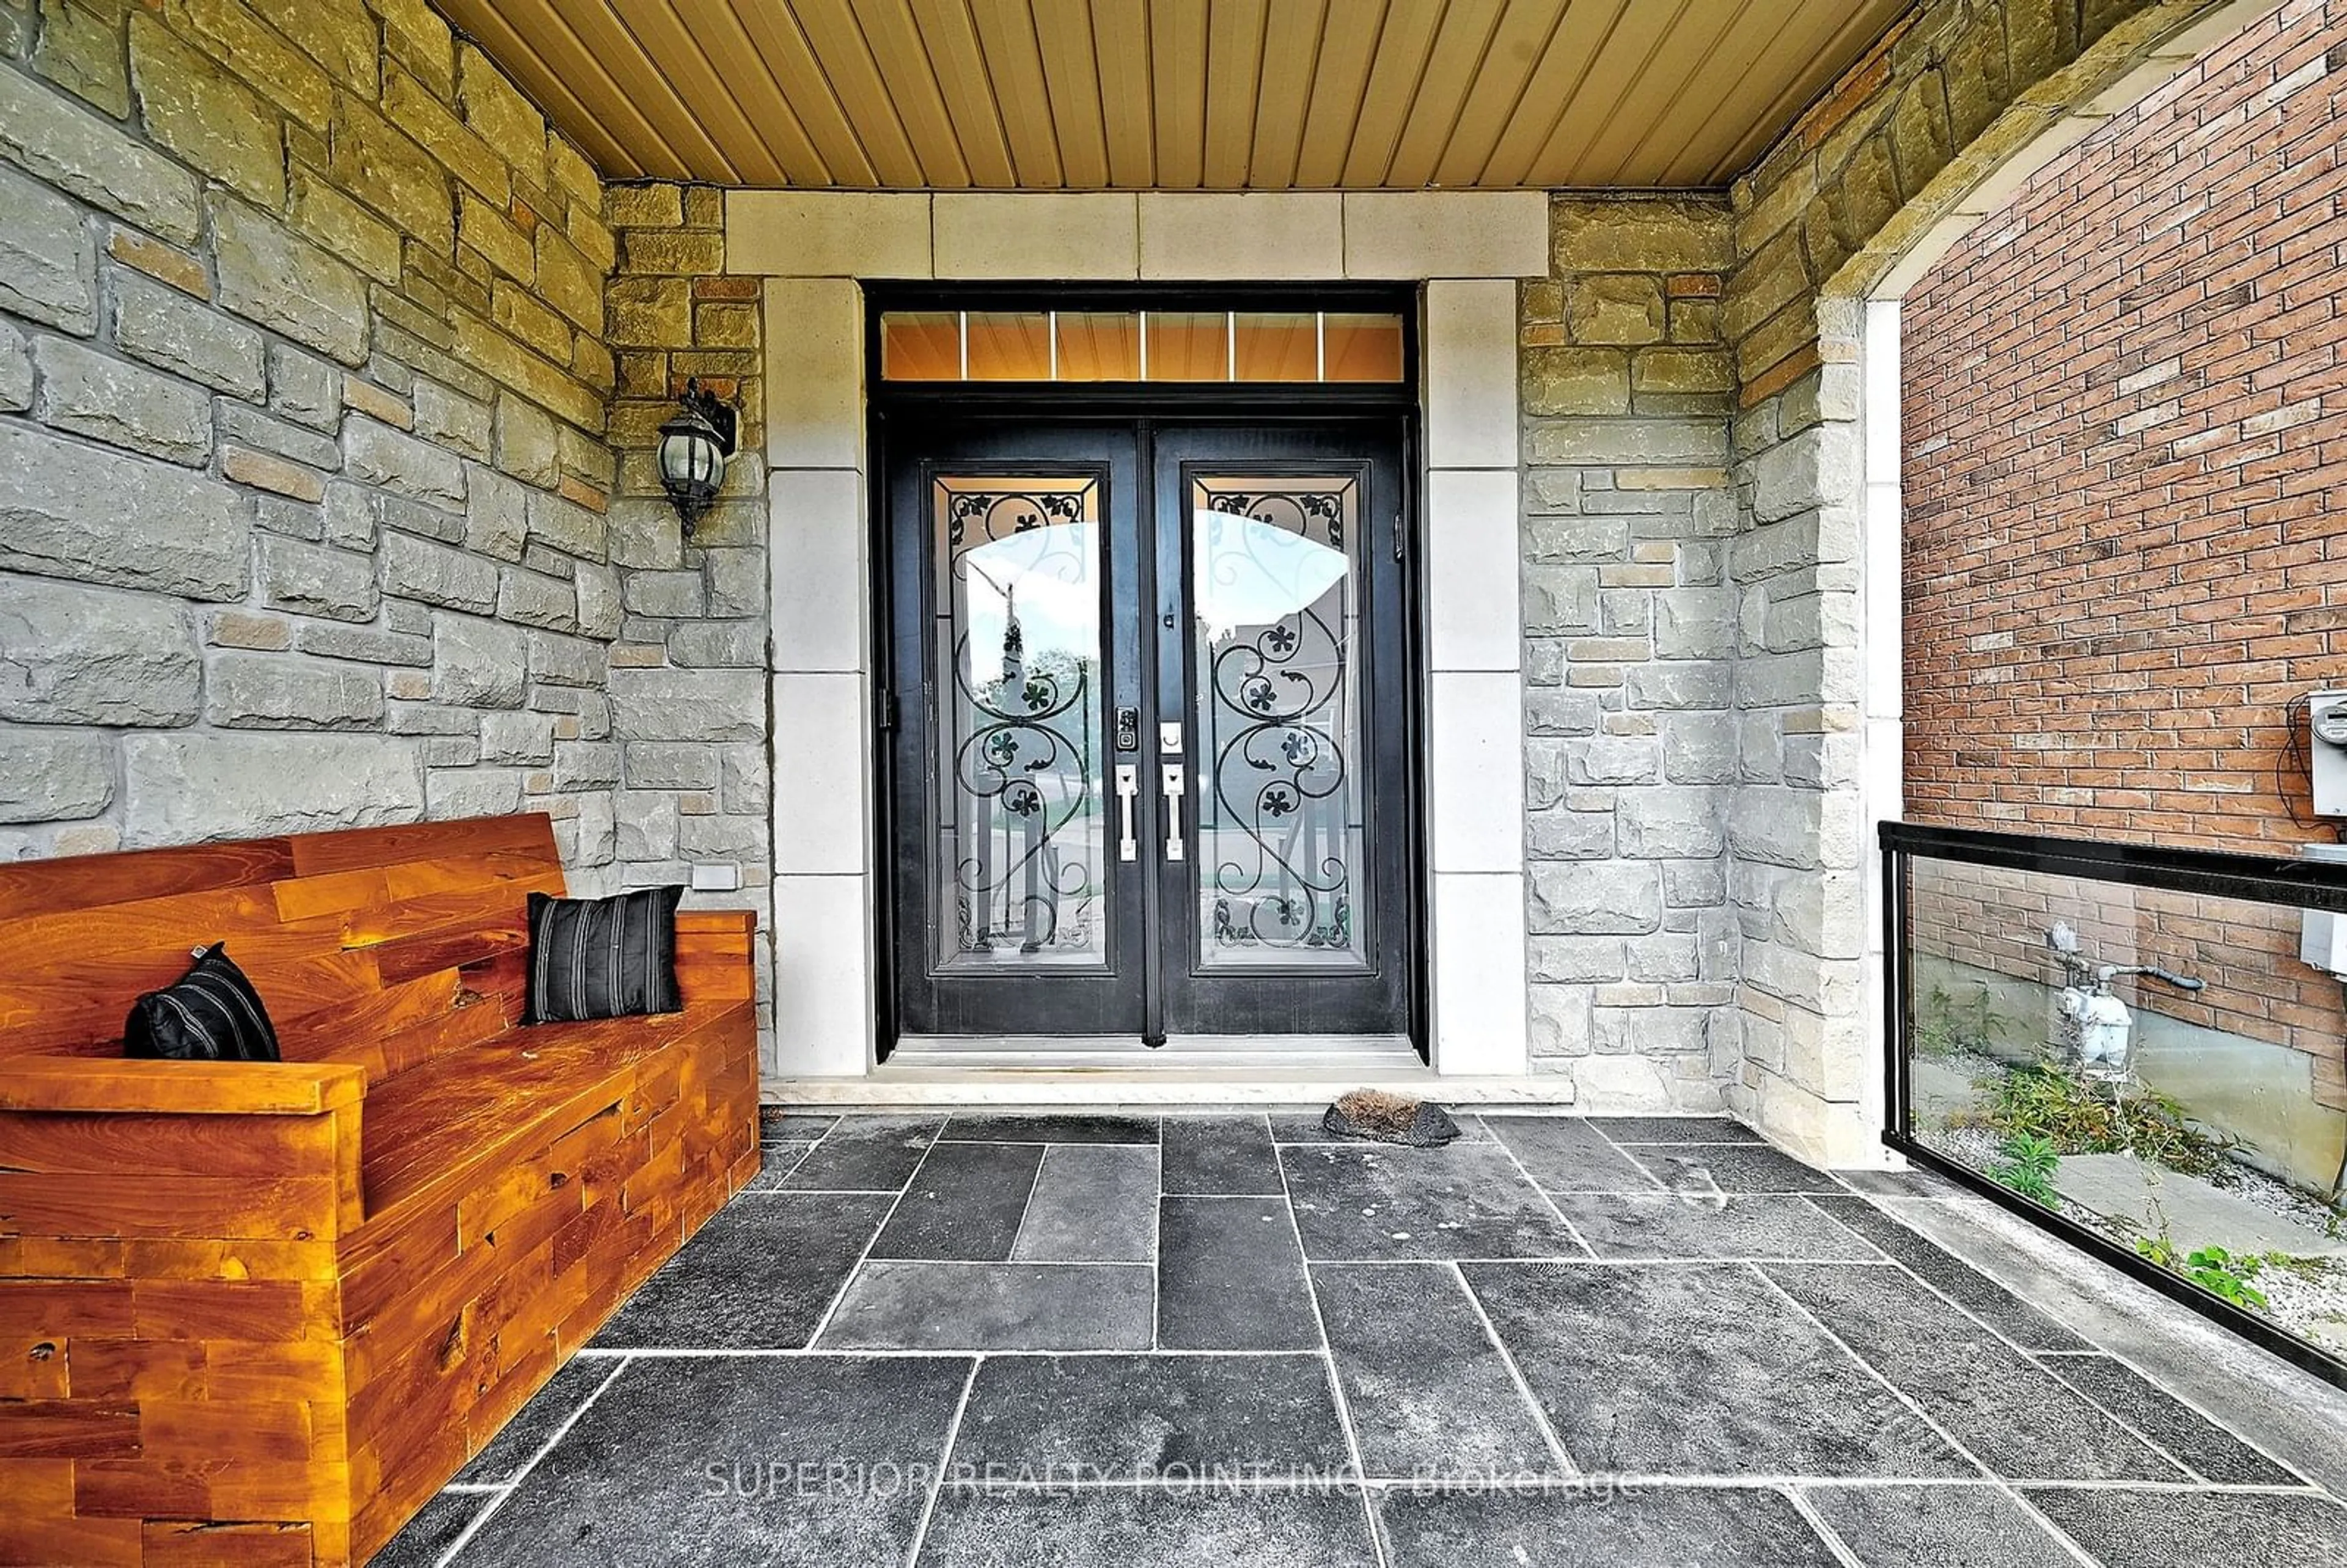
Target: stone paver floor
column 1112, row 1340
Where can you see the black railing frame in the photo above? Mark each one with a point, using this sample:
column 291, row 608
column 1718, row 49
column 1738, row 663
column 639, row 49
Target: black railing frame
column 2219, row 873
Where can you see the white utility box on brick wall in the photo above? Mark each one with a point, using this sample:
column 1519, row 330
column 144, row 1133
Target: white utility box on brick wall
column 2322, row 935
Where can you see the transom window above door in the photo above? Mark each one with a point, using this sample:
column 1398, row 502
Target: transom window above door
column 1194, row 346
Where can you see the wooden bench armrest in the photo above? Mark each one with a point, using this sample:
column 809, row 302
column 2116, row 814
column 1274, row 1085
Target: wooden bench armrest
column 715, row 922
column 715, row 954
column 209, row 1150
column 135, row 1086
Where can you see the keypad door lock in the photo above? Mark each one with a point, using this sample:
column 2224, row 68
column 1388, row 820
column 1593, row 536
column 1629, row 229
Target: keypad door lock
column 1128, row 729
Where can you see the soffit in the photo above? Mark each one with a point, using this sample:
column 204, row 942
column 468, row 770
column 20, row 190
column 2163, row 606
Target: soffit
column 1254, row 95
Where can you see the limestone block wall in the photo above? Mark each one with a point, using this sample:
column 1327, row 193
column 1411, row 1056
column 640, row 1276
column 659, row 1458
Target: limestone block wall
column 689, row 750
column 1631, row 643
column 302, row 459
column 1797, row 829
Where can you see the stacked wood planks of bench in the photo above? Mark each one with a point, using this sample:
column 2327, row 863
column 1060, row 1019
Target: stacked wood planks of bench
column 258, row 1312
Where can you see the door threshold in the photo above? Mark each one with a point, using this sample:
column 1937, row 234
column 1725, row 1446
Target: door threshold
column 1305, row 1054
column 1057, row 1045
column 1201, row 1085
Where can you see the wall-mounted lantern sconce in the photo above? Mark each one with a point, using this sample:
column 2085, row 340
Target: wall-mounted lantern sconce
column 693, row 448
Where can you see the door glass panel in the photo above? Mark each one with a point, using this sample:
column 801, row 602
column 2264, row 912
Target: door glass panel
column 1010, row 345
column 1188, row 345
column 921, row 345
column 1275, row 596
column 1362, row 347
column 1098, row 345
column 1281, row 347
column 1088, row 345
column 1019, row 856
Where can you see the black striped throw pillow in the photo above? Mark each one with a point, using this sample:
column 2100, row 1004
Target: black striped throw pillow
column 212, row 1014
column 603, row 958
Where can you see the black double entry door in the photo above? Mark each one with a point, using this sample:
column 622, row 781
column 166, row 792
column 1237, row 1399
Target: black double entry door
column 1149, row 778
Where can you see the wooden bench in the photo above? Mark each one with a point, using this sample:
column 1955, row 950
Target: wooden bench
column 258, row 1313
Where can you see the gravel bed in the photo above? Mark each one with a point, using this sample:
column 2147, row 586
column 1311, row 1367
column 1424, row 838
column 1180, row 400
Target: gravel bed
column 2310, row 1301
column 2306, row 1297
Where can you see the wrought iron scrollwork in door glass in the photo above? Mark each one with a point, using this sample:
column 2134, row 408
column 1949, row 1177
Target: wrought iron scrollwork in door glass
column 1019, row 824
column 1276, row 597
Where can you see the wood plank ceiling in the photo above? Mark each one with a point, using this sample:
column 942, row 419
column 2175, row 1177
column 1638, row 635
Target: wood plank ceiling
column 1258, row 95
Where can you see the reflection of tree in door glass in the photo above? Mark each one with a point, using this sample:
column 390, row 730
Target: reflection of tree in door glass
column 1017, row 824
column 1275, row 607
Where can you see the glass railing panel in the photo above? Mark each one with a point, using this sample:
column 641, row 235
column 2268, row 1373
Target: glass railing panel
column 2152, row 1049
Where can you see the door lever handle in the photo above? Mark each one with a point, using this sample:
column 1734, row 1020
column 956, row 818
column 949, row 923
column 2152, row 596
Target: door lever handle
column 1170, row 776
column 1128, row 788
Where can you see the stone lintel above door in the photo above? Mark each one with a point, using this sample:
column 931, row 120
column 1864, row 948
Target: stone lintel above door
column 1146, row 236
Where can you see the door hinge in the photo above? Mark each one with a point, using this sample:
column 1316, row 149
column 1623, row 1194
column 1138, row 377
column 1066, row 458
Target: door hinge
column 883, row 711
column 1401, row 539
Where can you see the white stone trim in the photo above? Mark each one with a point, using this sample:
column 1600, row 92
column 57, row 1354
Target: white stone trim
column 1087, row 237
column 849, row 234
column 824, row 809
column 1472, row 579
column 1394, row 236
column 815, row 248
column 1416, row 235
column 825, row 1002
column 1480, row 991
column 1469, row 344
column 1475, row 770
column 1882, row 648
column 1479, row 1026
column 1249, row 237
column 814, row 362
column 822, row 515
column 823, row 912
column 1186, row 1085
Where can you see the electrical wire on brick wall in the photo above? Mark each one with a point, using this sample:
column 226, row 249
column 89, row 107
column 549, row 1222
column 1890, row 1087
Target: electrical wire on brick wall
column 2296, row 747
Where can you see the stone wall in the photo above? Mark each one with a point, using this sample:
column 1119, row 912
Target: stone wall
column 303, row 397
column 1631, row 643
column 689, row 749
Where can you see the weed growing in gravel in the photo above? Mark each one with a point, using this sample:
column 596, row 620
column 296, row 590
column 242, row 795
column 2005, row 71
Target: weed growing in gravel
column 1943, row 1028
column 2076, row 1117
column 2213, row 1268
column 2028, row 1168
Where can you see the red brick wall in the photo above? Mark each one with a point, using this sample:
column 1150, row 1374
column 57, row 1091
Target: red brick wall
column 2126, row 475
column 2126, row 418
